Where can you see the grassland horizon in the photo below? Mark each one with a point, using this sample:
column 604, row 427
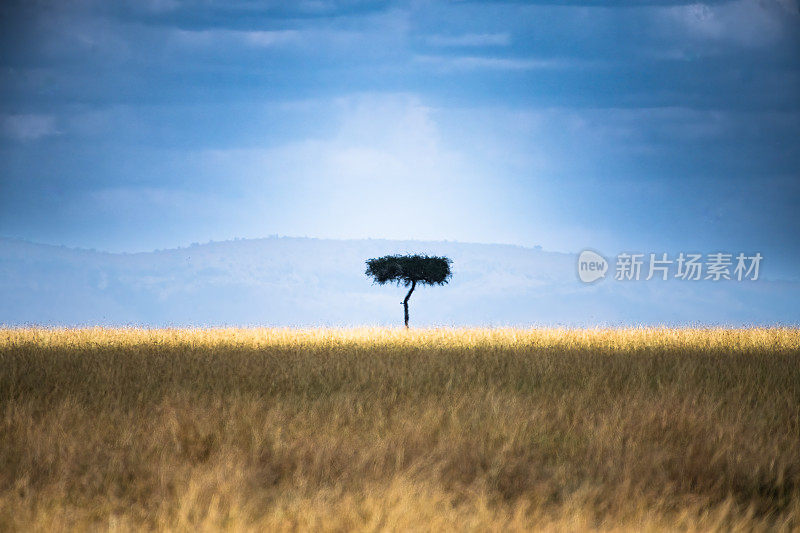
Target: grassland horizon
column 389, row 429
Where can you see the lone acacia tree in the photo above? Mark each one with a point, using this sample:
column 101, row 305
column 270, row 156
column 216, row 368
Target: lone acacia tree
column 409, row 270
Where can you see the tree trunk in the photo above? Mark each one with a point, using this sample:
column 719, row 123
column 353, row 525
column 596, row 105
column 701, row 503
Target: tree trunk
column 405, row 302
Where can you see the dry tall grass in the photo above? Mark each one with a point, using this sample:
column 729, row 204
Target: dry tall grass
column 643, row 429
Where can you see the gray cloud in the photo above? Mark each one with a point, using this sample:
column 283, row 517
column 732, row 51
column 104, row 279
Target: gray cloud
column 28, row 127
column 470, row 40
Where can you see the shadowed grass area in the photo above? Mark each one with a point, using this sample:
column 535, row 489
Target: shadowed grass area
column 393, row 429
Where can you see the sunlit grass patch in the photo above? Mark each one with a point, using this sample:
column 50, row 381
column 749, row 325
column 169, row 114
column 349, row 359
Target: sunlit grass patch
column 644, row 428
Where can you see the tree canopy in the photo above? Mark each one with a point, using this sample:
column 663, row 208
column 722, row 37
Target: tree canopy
column 408, row 269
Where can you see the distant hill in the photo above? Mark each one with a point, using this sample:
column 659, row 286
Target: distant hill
column 317, row 282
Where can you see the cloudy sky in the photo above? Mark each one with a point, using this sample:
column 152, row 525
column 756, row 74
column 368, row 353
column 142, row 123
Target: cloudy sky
column 650, row 127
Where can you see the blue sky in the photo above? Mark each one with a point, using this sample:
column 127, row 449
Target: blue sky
column 650, row 127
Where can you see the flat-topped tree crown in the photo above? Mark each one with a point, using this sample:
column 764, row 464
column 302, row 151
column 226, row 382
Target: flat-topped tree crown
column 409, row 270
column 406, row 269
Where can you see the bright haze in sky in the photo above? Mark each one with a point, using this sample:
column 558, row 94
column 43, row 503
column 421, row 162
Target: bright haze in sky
column 652, row 127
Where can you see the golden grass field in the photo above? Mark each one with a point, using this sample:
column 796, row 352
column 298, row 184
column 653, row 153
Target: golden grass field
column 387, row 429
